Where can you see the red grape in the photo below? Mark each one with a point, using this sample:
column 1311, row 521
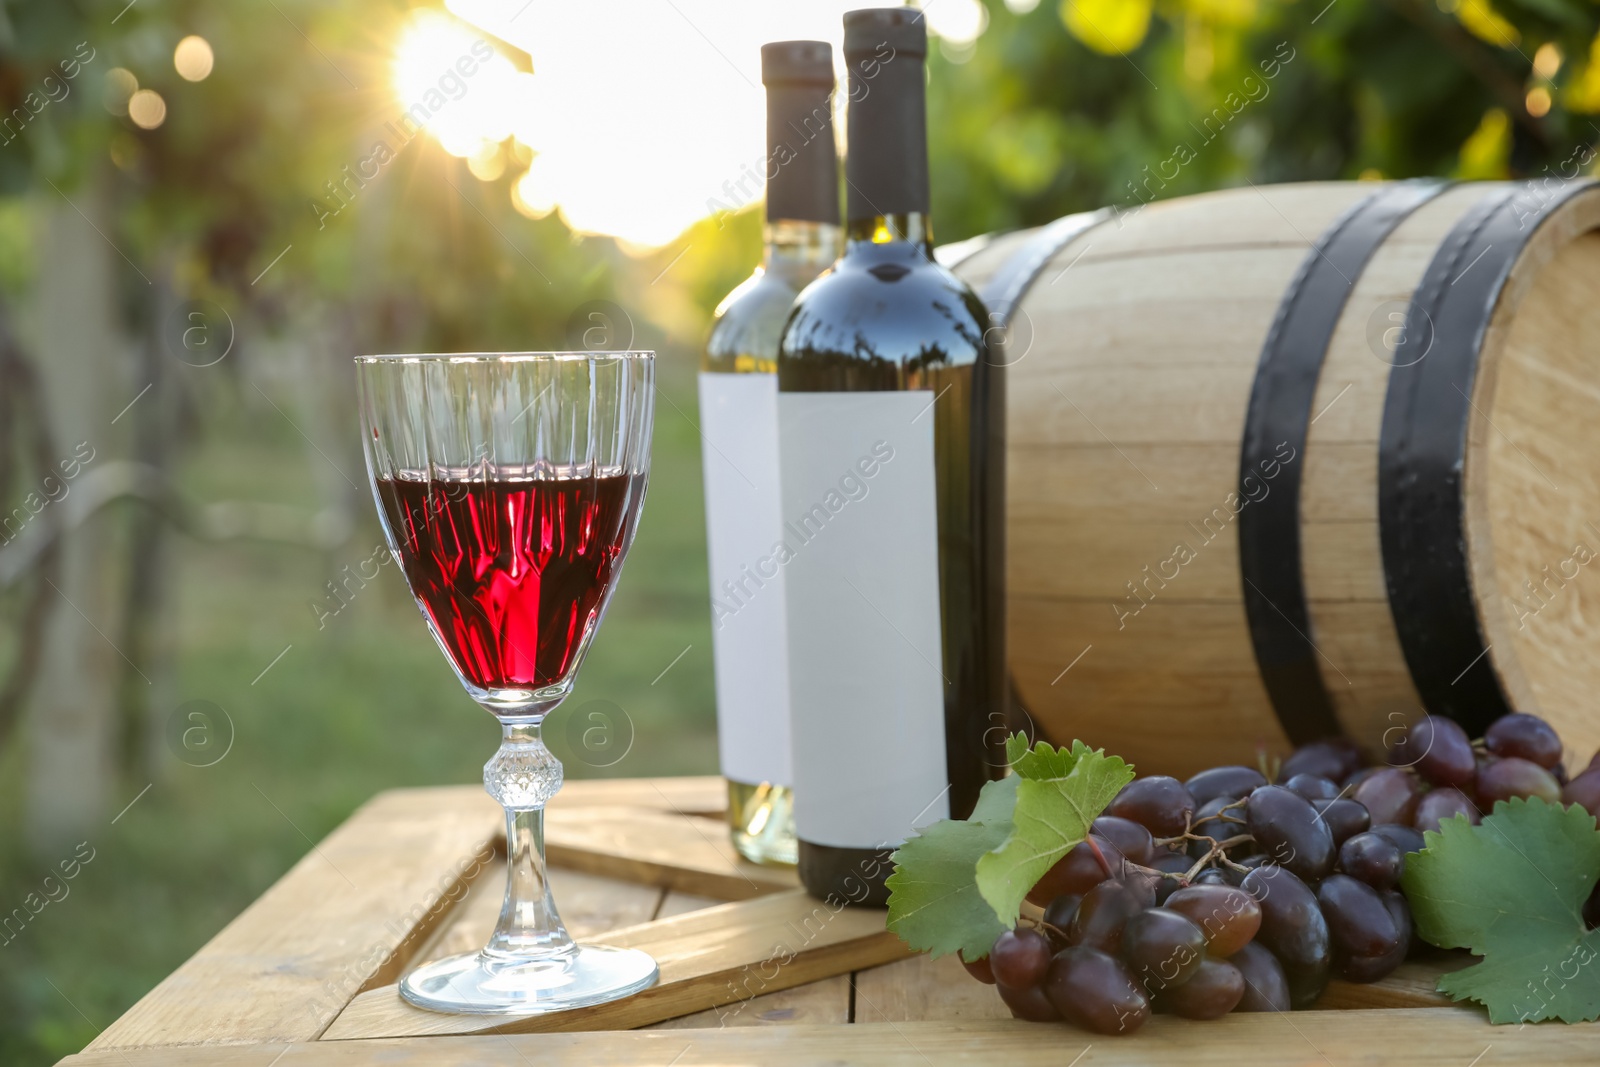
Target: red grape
column 1345, row 817
column 1372, row 968
column 1372, row 858
column 1405, row 838
column 1584, row 790
column 1265, row 987
column 1232, row 782
column 1029, row 1003
column 1079, row 871
column 980, row 970
column 1524, row 737
column 1288, row 828
column 1513, row 776
column 1293, row 927
column 1061, row 910
column 1215, row 989
column 1438, row 805
column 1389, row 795
column 1229, row 917
column 1358, row 921
column 1312, row 787
column 1019, row 958
column 1104, row 913
column 1132, row 839
column 1162, row 948
column 1173, row 863
column 1439, row 749
column 1335, row 759
column 1158, row 803
column 1094, row 990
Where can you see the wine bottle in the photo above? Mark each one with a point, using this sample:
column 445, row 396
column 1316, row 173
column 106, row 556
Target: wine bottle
column 889, row 416
column 739, row 420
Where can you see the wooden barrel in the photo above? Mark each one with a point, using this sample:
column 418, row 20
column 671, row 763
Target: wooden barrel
column 1291, row 461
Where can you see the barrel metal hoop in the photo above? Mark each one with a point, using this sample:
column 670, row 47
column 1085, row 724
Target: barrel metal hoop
column 1423, row 446
column 1011, row 282
column 1278, row 419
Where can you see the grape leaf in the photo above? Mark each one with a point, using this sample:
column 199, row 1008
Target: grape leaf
column 1041, row 761
column 1512, row 891
column 934, row 904
column 1060, row 795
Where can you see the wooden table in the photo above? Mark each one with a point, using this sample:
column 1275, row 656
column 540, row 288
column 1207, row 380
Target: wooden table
column 752, row 969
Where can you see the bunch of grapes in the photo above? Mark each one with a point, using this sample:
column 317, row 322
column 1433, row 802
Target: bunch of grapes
column 1230, row 892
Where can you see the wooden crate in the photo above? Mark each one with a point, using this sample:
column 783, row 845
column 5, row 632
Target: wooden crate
column 752, row 969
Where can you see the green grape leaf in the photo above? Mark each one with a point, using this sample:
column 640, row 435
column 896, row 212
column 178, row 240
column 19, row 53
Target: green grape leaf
column 1512, row 891
column 934, row 904
column 1041, row 761
column 996, row 801
column 1060, row 794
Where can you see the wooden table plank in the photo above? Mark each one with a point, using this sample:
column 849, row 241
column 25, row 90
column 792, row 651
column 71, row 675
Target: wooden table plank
column 658, row 848
column 824, row 1001
column 1417, row 1037
column 1413, row 984
column 679, row 903
column 921, row 989
column 590, row 905
column 688, row 795
column 348, row 914
column 708, row 957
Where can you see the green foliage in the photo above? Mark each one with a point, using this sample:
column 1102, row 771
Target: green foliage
column 1060, row 795
column 934, row 904
column 959, row 883
column 1095, row 102
column 1512, row 891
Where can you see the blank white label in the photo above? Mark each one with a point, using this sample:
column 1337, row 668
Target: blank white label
column 866, row 682
column 744, row 530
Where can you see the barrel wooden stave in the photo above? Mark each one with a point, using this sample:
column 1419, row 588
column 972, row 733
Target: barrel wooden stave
column 1345, row 590
column 1126, row 415
column 1532, row 484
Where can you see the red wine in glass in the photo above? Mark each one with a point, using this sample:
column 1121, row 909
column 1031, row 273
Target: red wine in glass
column 512, row 574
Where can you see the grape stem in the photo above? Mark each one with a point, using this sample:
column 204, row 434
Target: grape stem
column 1220, row 815
column 1218, row 851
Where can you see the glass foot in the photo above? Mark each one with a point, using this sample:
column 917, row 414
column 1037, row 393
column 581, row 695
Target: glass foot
column 480, row 983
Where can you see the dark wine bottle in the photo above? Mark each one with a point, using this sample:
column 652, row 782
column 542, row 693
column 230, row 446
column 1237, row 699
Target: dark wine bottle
column 890, row 421
column 739, row 422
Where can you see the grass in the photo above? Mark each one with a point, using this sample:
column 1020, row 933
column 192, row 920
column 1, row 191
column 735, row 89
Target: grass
column 365, row 702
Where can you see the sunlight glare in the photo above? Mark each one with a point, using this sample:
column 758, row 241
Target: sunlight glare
column 643, row 116
column 451, row 79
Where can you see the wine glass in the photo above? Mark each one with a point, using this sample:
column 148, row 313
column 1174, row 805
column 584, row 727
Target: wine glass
column 509, row 486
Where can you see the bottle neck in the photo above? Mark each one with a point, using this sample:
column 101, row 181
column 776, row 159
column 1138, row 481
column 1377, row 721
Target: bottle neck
column 798, row 249
column 910, row 228
column 886, row 169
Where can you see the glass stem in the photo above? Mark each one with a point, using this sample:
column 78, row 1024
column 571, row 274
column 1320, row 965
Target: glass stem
column 523, row 776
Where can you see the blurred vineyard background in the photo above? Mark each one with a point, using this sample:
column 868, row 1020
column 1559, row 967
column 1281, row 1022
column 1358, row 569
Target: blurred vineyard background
column 197, row 676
